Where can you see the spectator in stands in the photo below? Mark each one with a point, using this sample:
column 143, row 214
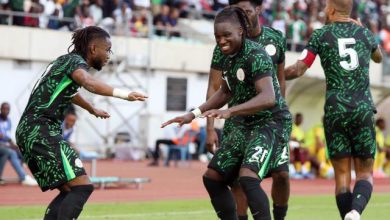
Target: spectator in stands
column 161, row 21
column 35, row 8
column 122, row 16
column 296, row 33
column 380, row 151
column 9, row 147
column 85, row 16
column 139, row 23
column 299, row 152
column 96, row 11
column 316, row 144
column 173, row 136
column 172, row 22
column 17, row 6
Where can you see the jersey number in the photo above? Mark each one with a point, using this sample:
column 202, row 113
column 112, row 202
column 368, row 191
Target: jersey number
column 344, row 52
column 259, row 155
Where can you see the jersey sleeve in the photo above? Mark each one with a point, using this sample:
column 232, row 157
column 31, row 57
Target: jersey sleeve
column 311, row 50
column 373, row 44
column 218, row 59
column 75, row 62
column 260, row 65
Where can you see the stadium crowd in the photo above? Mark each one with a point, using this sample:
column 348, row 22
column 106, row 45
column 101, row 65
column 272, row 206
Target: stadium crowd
column 295, row 18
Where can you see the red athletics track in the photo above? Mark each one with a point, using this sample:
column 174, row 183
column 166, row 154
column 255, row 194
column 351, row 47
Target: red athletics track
column 167, row 184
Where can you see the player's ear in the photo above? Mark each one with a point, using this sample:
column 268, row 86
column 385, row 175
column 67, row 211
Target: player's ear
column 92, row 48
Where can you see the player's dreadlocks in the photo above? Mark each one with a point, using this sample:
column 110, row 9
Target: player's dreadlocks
column 235, row 14
column 82, row 37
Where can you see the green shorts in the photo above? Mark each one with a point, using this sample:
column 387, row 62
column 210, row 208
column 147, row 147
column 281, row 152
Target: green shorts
column 350, row 134
column 51, row 159
column 251, row 147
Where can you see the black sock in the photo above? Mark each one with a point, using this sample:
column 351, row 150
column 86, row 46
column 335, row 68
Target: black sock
column 52, row 210
column 280, row 212
column 361, row 195
column 73, row 203
column 221, row 199
column 344, row 202
column 242, row 217
column 257, row 199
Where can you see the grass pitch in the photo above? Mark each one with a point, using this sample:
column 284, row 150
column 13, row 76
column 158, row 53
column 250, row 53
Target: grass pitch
column 301, row 208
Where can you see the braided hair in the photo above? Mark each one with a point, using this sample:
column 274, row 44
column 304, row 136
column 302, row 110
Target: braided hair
column 237, row 15
column 82, row 37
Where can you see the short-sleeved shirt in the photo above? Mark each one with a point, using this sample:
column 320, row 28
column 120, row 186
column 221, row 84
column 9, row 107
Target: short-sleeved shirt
column 54, row 91
column 271, row 40
column 241, row 72
column 345, row 50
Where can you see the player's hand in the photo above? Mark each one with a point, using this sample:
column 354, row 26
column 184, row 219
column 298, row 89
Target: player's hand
column 135, row 96
column 220, row 114
column 181, row 120
column 100, row 113
column 211, row 141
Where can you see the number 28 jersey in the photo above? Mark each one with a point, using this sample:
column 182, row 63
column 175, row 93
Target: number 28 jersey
column 345, row 51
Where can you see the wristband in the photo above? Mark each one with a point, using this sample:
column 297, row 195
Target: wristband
column 197, row 112
column 120, row 93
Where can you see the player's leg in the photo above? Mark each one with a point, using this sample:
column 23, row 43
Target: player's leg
column 363, row 151
column 256, row 197
column 280, row 191
column 220, row 195
column 280, row 194
column 73, row 203
column 51, row 212
column 223, row 170
column 342, row 168
column 256, row 164
column 363, row 187
column 339, row 148
column 240, row 198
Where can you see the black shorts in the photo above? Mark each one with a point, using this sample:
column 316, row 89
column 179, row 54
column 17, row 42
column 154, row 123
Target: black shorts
column 351, row 134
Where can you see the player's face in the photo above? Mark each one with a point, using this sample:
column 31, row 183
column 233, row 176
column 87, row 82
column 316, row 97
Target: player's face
column 228, row 37
column 102, row 52
column 251, row 11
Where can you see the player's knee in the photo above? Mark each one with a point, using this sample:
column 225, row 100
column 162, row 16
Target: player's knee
column 249, row 184
column 281, row 178
column 84, row 191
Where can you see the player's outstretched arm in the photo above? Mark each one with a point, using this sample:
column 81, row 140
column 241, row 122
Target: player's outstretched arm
column 376, row 56
column 296, row 70
column 218, row 100
column 264, row 99
column 84, row 79
column 80, row 101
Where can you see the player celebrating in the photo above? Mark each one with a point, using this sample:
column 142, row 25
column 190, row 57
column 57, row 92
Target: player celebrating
column 345, row 49
column 275, row 45
column 252, row 128
column 52, row 161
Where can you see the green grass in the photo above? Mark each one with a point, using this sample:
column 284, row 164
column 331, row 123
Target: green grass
column 301, row 208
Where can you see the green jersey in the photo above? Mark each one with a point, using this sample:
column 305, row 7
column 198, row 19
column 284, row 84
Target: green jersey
column 271, row 40
column 345, row 50
column 240, row 73
column 54, row 91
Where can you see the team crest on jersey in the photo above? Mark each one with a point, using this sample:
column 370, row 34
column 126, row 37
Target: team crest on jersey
column 240, row 74
column 270, row 49
column 78, row 163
